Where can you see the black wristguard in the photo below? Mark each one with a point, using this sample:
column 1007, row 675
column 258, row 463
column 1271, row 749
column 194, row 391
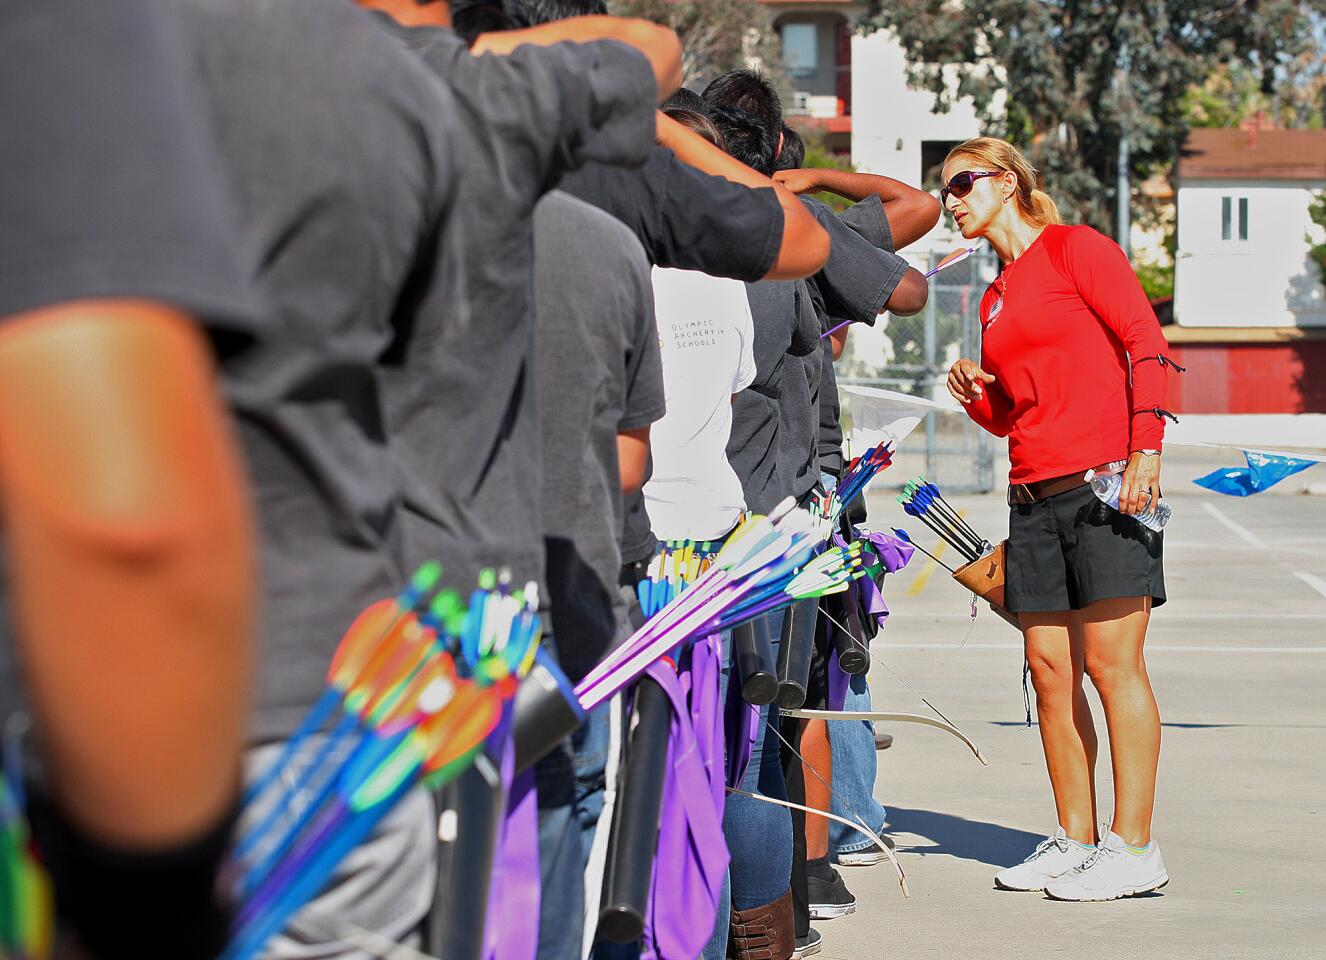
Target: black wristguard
column 124, row 903
column 1158, row 413
column 1164, row 361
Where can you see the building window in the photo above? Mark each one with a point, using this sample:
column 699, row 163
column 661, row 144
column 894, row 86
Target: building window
column 800, row 48
column 1228, row 226
column 933, row 153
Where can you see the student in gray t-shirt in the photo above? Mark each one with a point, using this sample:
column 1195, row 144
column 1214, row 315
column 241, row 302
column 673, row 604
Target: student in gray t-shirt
column 600, row 383
column 126, row 568
column 334, row 142
column 463, row 411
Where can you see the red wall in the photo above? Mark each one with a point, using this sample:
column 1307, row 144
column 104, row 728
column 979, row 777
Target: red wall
column 1249, row 377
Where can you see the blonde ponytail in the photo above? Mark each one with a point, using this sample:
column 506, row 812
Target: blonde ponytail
column 1035, row 205
column 1043, row 209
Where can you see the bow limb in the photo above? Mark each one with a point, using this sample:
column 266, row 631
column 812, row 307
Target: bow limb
column 889, row 718
column 939, row 720
column 858, row 827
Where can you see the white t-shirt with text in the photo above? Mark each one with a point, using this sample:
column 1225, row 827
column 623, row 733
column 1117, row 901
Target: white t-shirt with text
column 707, row 334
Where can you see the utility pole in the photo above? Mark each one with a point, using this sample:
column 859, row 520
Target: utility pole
column 1123, row 188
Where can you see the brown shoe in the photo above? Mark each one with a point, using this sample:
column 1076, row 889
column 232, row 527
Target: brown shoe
column 766, row 932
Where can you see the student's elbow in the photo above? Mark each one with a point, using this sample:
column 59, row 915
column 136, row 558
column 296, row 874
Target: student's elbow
column 927, row 210
column 663, row 48
column 806, row 246
column 910, row 296
column 633, row 459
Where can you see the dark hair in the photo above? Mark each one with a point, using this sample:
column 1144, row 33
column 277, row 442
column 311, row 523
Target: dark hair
column 473, row 17
column 749, row 91
column 532, row 13
column 793, row 154
column 747, row 138
column 701, row 124
column 685, row 99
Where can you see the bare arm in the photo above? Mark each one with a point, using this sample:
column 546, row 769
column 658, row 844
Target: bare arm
column 911, row 213
column 132, row 565
column 659, row 44
column 633, row 458
column 911, row 294
column 838, row 342
column 805, row 245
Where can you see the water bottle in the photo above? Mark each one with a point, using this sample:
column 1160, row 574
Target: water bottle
column 1106, row 486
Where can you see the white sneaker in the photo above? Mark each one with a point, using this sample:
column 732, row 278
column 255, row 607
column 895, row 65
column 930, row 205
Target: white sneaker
column 867, row 857
column 1111, row 872
column 1052, row 856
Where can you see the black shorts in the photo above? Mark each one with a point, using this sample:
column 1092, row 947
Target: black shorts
column 1071, row 550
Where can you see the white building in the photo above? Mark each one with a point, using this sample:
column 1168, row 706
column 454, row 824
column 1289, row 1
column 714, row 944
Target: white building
column 853, row 89
column 1243, row 198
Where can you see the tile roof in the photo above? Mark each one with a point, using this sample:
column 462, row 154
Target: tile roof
column 1229, row 154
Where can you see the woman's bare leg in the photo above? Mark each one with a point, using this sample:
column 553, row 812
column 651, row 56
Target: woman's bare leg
column 819, row 760
column 1054, row 648
column 1115, row 632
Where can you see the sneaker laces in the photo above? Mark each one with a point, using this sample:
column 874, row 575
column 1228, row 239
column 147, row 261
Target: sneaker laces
column 1099, row 853
column 1044, row 846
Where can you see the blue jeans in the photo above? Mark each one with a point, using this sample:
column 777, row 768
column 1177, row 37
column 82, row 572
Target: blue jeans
column 570, row 794
column 854, row 766
column 716, row 948
column 759, row 834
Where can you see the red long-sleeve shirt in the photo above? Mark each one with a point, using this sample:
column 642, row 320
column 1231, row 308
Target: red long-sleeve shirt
column 1059, row 327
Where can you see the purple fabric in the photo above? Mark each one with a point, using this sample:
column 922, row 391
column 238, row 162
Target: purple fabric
column 838, row 683
column 871, row 600
column 691, row 861
column 513, row 897
column 894, row 553
column 740, row 731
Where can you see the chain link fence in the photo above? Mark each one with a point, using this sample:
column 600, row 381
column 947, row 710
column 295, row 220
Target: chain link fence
column 913, row 355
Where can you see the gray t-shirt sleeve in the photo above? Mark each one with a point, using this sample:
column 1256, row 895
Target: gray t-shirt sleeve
column 806, row 326
column 107, row 183
column 858, row 278
column 562, row 106
column 644, row 402
column 688, row 219
column 869, row 220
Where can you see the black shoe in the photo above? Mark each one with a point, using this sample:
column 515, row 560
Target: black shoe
column 808, row 945
column 883, row 741
column 829, row 899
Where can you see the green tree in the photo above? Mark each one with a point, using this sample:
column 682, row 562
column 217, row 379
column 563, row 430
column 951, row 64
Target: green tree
column 1074, row 76
column 1232, row 94
column 1317, row 251
column 719, row 35
column 819, row 156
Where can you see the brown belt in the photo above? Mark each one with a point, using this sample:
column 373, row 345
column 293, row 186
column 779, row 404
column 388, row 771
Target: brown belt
column 1024, row 493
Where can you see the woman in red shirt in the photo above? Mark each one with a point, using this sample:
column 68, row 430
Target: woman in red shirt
column 1072, row 371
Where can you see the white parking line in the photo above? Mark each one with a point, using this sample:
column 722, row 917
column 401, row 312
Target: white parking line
column 1248, row 536
column 1313, row 581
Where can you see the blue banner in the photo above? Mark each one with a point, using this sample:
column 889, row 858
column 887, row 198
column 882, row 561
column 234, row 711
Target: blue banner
column 1264, row 470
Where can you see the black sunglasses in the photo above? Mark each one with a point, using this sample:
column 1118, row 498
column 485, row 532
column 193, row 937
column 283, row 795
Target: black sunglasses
column 962, row 183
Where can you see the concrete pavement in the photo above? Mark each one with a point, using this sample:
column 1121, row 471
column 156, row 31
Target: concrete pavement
column 1238, row 660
